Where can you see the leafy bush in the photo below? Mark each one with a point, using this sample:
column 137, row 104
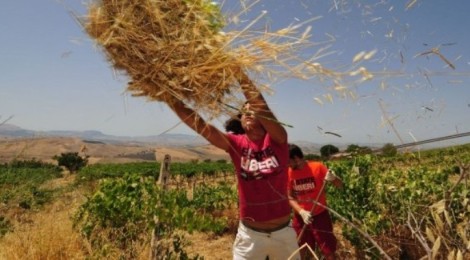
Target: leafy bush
column 151, row 169
column 71, row 161
column 312, row 157
column 32, row 164
column 328, row 150
column 389, row 150
column 5, row 226
column 102, row 171
column 381, row 196
column 22, row 185
column 122, row 212
column 356, row 149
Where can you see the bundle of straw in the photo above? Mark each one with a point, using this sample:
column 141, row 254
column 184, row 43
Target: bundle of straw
column 171, row 49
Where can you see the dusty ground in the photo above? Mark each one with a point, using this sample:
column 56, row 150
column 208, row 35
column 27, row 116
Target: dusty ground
column 211, row 247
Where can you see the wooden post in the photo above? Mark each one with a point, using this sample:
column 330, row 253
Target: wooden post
column 153, row 254
column 164, row 172
column 163, row 183
column 190, row 190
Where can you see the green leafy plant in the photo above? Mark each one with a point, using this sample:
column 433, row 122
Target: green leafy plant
column 384, row 194
column 123, row 209
column 72, row 161
column 5, row 226
column 21, row 181
column 328, row 150
column 389, row 150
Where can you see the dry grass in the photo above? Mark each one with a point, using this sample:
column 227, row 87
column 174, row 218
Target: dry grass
column 45, row 148
column 176, row 50
column 171, row 49
column 210, row 247
column 46, row 234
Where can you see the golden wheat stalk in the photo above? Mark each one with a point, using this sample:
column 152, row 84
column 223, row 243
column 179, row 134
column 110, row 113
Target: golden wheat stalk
column 175, row 50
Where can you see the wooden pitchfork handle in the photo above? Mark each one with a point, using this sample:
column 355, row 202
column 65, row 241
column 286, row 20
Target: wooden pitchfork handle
column 311, row 211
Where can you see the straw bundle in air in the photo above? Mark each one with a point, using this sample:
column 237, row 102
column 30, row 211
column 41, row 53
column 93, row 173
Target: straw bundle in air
column 171, row 49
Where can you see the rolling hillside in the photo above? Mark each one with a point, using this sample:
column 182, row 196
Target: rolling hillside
column 44, row 148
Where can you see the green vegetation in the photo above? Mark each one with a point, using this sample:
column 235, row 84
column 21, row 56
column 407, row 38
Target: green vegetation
column 121, row 211
column 211, row 11
column 389, row 150
column 125, row 208
column 328, row 150
column 20, row 186
column 412, row 204
column 356, row 149
column 100, row 171
column 5, row 226
column 71, row 161
column 20, row 183
column 393, row 197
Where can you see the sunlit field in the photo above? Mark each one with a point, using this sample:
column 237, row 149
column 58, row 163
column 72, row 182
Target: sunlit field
column 410, row 205
column 377, row 90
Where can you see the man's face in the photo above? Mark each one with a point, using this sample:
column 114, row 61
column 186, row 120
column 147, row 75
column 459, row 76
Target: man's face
column 294, row 163
column 249, row 120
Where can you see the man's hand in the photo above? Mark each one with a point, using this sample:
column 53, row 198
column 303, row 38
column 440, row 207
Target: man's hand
column 330, row 175
column 306, row 216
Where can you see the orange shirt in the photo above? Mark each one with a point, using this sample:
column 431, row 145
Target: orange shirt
column 305, row 184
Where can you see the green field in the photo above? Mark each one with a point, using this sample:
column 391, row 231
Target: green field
column 408, row 206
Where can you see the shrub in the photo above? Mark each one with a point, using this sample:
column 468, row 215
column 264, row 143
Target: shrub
column 5, row 226
column 71, row 161
column 328, row 150
column 389, row 150
column 123, row 210
column 312, row 157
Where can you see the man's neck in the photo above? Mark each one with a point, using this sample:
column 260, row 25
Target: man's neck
column 256, row 134
column 301, row 164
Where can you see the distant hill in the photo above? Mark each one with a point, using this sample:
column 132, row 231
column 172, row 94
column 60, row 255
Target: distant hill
column 163, row 140
column 8, row 130
column 12, row 131
column 19, row 143
column 168, row 140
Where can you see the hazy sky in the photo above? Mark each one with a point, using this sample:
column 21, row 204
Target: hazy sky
column 53, row 77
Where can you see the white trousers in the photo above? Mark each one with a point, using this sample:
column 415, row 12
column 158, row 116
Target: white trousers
column 254, row 245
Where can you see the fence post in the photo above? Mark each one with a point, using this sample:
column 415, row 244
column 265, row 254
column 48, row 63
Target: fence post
column 162, row 182
column 164, row 172
column 153, row 254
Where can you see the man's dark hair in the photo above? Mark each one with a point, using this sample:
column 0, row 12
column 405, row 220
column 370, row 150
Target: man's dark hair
column 295, row 151
column 234, row 125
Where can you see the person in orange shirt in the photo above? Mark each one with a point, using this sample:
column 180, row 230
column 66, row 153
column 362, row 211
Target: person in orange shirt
column 306, row 192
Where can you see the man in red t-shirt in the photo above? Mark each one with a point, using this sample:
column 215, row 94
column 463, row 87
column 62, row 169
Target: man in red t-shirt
column 259, row 151
column 306, row 194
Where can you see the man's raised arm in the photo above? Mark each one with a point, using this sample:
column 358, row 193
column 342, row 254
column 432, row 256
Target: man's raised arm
column 195, row 122
column 262, row 110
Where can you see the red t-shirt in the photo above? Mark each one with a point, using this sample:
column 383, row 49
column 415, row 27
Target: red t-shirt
column 306, row 183
column 261, row 169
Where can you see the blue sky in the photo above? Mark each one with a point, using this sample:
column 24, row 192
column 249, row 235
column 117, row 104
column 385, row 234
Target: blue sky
column 53, row 77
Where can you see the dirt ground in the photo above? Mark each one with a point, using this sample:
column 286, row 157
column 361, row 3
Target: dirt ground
column 45, row 148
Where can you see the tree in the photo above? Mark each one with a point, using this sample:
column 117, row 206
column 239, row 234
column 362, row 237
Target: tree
column 71, row 161
column 356, row 149
column 389, row 150
column 328, row 150
column 365, row 150
column 312, row 157
column 353, row 148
